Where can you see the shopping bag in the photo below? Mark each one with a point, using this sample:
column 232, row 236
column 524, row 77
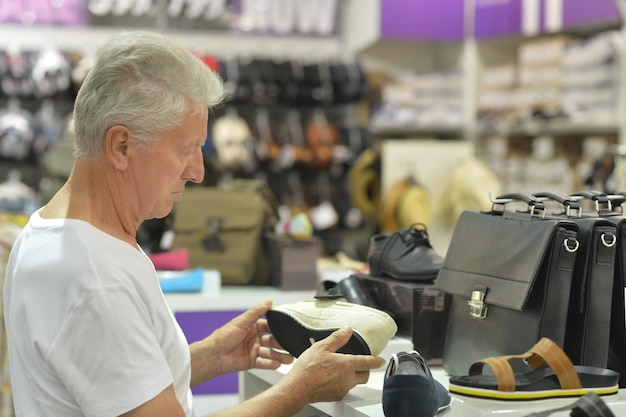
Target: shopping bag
column 509, row 273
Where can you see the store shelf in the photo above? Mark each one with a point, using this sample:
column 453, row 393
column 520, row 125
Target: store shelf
column 552, row 129
column 407, row 130
column 219, row 43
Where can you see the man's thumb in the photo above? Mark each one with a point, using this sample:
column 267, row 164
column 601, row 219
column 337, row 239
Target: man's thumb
column 338, row 338
column 250, row 316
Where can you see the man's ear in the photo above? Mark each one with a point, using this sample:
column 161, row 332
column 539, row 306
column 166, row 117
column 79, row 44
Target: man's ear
column 117, row 146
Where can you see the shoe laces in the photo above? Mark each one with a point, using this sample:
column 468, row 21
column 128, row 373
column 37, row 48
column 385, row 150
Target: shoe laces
column 413, row 357
column 415, row 235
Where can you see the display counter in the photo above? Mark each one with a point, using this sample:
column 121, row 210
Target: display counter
column 365, row 400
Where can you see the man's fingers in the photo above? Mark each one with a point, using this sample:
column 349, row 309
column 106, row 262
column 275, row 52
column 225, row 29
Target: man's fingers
column 368, row 362
column 362, row 377
column 337, row 339
column 263, row 326
column 268, row 354
column 251, row 316
column 260, row 309
column 270, row 341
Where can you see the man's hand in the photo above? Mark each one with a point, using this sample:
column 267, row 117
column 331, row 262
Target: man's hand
column 244, row 342
column 321, row 374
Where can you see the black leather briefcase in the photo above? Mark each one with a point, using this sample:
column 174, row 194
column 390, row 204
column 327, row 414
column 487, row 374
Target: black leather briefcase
column 509, row 274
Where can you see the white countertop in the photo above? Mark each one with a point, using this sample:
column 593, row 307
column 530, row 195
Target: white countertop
column 231, row 298
column 217, row 297
column 365, row 400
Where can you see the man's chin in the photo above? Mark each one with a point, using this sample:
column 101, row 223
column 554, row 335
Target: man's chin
column 160, row 214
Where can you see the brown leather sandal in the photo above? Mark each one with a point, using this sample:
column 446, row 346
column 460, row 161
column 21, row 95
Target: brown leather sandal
column 551, row 375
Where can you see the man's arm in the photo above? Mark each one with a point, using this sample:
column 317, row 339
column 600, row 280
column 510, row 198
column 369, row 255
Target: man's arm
column 319, row 374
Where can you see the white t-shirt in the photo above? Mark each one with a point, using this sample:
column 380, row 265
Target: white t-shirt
column 89, row 331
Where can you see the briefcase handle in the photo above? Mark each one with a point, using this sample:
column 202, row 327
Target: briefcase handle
column 617, row 200
column 570, row 205
column 603, row 204
column 535, row 207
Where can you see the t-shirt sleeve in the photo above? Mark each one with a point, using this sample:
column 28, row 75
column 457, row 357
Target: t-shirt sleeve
column 108, row 353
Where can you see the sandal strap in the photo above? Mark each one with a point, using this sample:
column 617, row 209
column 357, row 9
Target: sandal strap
column 544, row 351
column 550, row 353
column 501, row 368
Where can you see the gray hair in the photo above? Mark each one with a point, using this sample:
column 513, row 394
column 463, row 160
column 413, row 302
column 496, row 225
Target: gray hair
column 145, row 81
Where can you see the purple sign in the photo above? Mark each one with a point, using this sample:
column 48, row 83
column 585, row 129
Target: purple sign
column 422, row 19
column 197, row 326
column 36, row 12
column 580, row 12
column 506, row 18
column 497, row 18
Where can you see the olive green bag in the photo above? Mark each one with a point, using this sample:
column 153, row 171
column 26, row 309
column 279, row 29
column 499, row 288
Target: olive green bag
column 223, row 228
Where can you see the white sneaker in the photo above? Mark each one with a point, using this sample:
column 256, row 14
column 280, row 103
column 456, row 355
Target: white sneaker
column 297, row 326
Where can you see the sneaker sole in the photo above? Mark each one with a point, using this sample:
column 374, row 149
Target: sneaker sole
column 296, row 337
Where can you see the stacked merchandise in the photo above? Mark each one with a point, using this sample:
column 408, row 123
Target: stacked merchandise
column 439, row 98
column 541, row 65
column 529, row 164
column 412, row 100
column 547, row 167
column 558, row 83
column 295, row 125
column 497, row 104
column 590, row 74
column 599, row 167
column 556, row 79
column 36, row 95
column 43, row 73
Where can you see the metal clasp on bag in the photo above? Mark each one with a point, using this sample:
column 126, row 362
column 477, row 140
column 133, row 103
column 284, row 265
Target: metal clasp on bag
column 478, row 307
column 211, row 241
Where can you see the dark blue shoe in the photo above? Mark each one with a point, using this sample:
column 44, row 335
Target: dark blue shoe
column 410, row 390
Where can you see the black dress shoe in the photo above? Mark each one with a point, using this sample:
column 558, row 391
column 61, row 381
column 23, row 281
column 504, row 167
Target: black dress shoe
column 404, row 255
column 349, row 288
